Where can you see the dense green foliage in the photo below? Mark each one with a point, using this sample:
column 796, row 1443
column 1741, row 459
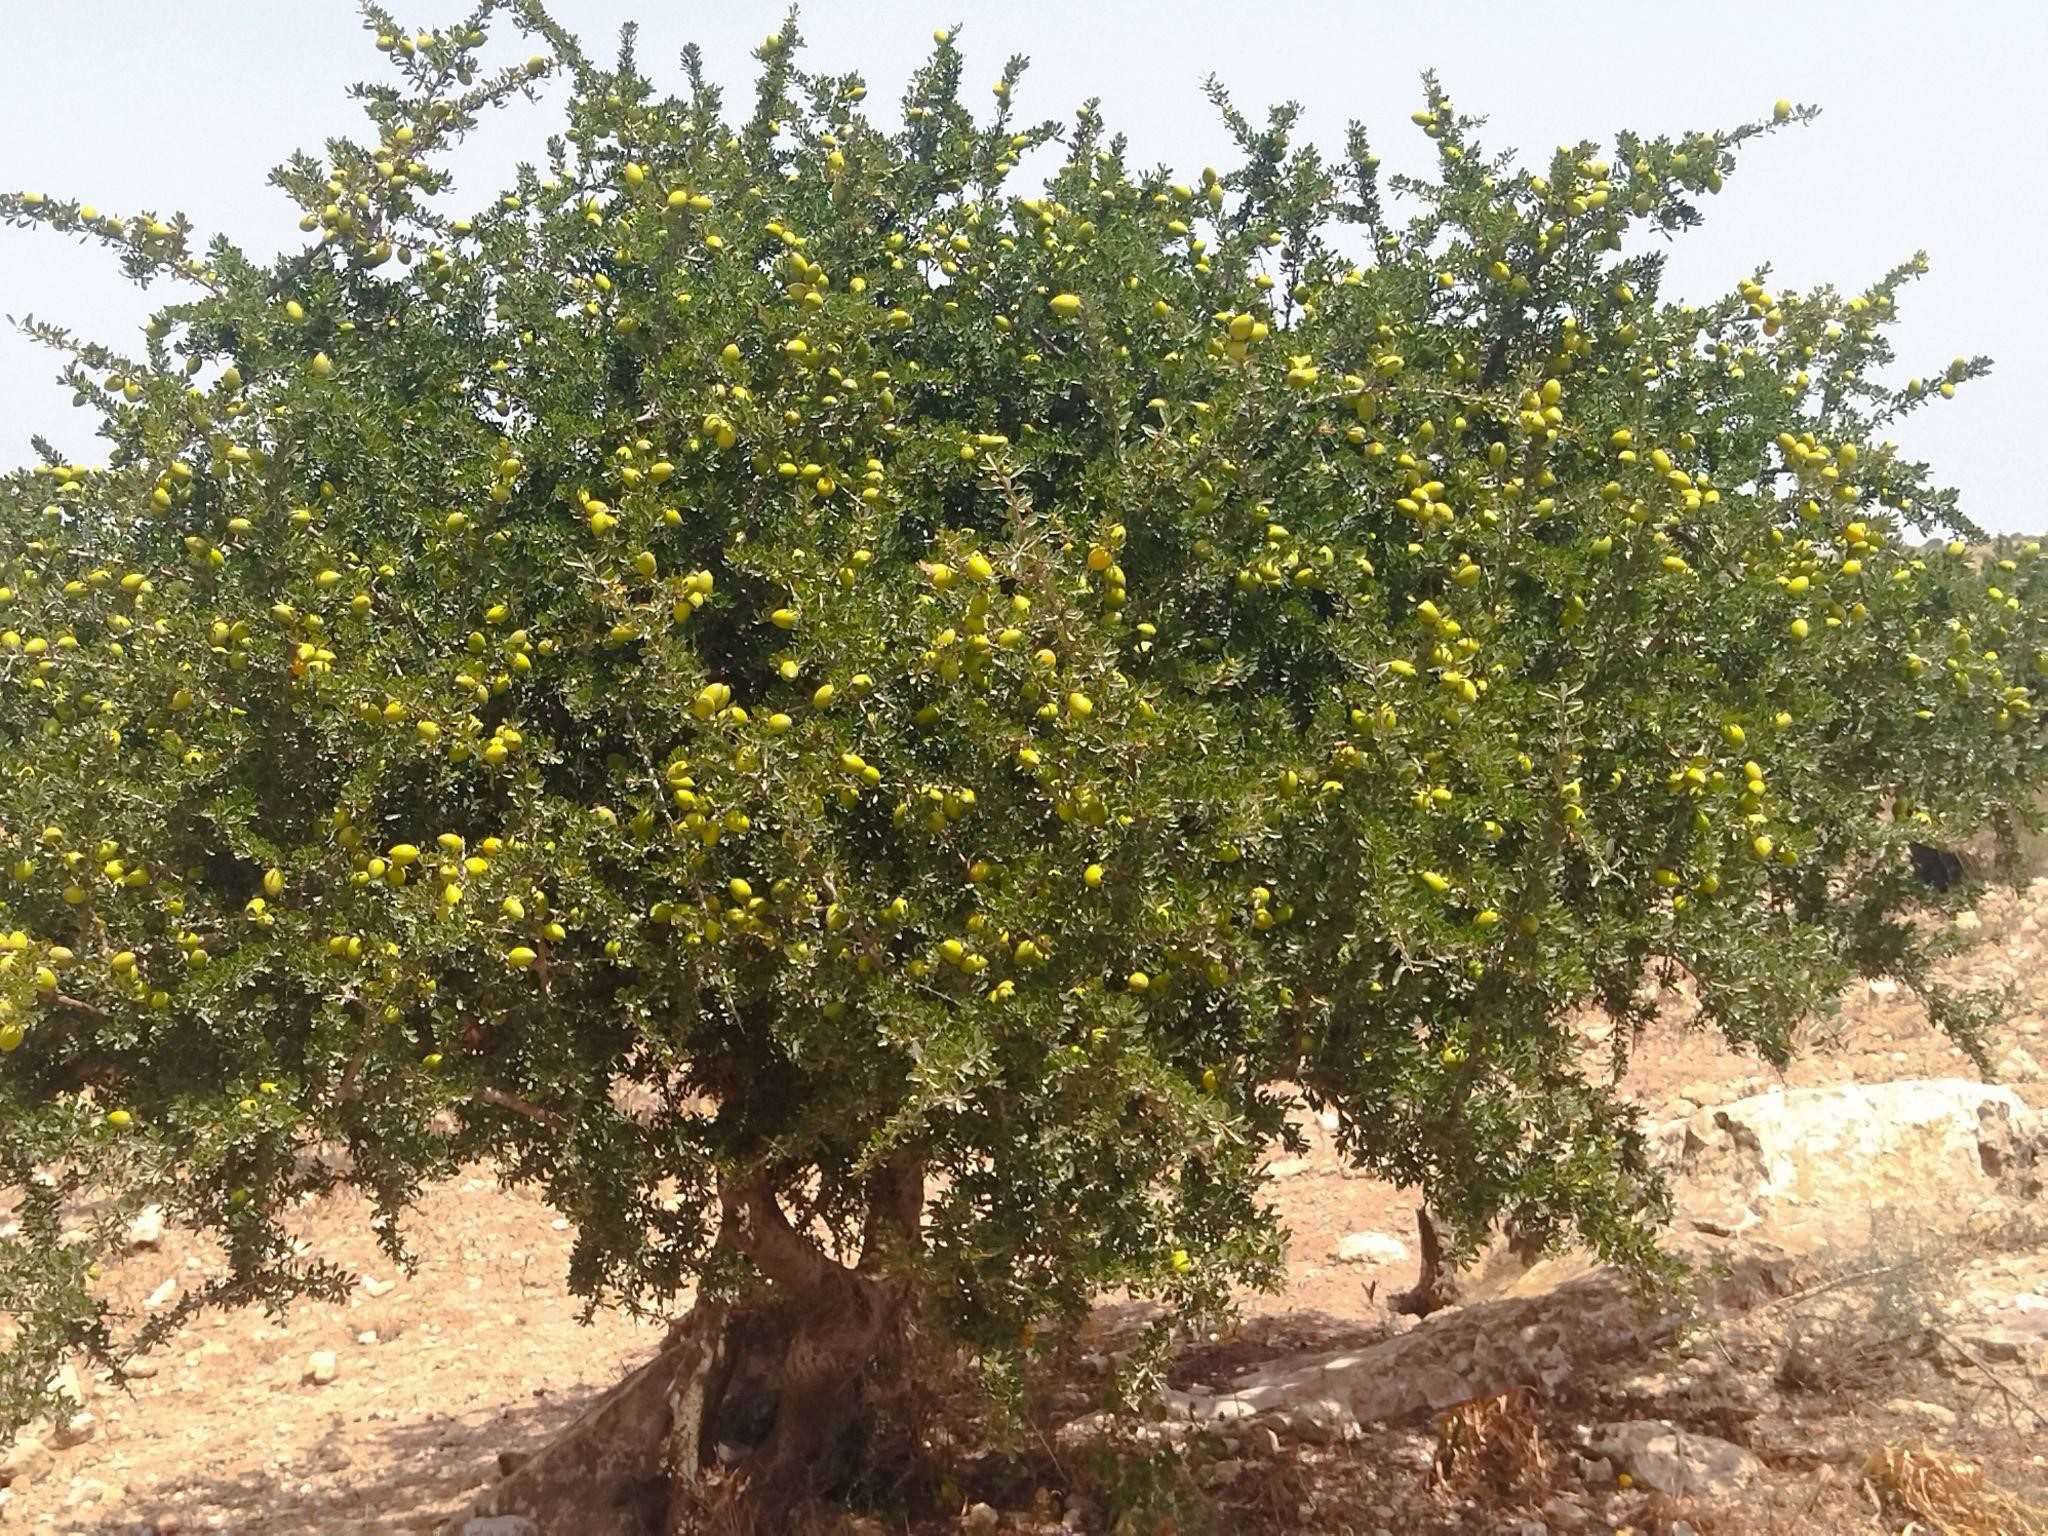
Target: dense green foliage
column 765, row 652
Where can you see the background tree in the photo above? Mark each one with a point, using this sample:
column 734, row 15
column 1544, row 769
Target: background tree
column 875, row 733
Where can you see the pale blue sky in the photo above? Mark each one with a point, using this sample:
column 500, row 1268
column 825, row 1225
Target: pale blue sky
column 1934, row 135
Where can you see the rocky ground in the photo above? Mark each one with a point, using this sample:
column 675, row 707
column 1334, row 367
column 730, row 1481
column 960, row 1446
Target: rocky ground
column 1868, row 1351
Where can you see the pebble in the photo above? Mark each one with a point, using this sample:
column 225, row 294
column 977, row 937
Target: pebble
column 2019, row 1066
column 25, row 1461
column 1930, row 1413
column 321, row 1367
column 147, row 1230
column 1371, row 1248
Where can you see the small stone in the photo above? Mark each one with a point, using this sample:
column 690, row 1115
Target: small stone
column 367, row 1336
column 1565, row 1512
column 1968, row 922
column 1676, row 1462
column 162, row 1296
column 1229, row 1410
column 500, row 1525
column 1930, row 1413
column 147, row 1230
column 373, row 1287
column 1326, row 1421
column 76, row 1430
column 1372, row 1248
column 981, row 1520
column 1221, row 1474
column 1883, row 986
column 24, row 1461
column 2018, row 1066
column 559, row 1224
column 140, row 1370
column 1287, row 1168
column 321, row 1367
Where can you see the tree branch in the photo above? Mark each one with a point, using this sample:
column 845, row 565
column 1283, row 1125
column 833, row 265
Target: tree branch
column 519, row 1106
column 895, row 1216
column 755, row 1225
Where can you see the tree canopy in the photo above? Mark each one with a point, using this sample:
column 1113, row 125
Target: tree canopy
column 785, row 684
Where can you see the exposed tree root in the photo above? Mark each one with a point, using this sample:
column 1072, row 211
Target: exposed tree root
column 749, row 1413
column 1437, row 1286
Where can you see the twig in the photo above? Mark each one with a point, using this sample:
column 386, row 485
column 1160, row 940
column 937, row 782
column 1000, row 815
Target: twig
column 1821, row 1288
column 2012, row 1398
column 519, row 1106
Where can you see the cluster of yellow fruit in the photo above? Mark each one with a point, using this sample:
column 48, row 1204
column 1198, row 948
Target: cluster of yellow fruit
column 929, row 648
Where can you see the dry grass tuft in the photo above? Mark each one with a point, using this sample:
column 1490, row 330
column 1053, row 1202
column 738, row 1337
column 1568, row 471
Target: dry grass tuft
column 1951, row 1497
column 1495, row 1449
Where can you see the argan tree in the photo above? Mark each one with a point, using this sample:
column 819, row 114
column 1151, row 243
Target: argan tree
column 874, row 730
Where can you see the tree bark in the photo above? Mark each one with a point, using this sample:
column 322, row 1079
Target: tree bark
column 749, row 1412
column 1436, row 1286
column 604, row 1474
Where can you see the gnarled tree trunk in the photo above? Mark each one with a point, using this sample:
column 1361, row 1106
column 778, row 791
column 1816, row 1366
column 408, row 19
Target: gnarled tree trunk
column 1437, row 1286
column 749, row 1411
